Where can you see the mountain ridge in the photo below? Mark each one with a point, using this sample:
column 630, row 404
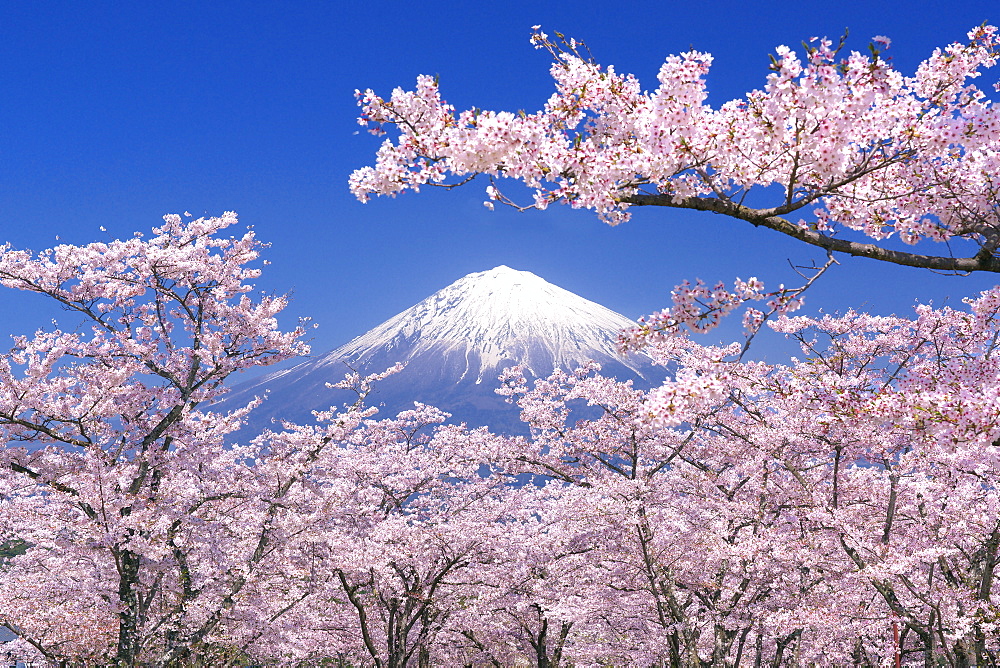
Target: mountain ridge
column 455, row 343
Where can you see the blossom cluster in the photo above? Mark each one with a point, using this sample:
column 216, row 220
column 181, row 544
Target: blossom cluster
column 847, row 137
column 698, row 308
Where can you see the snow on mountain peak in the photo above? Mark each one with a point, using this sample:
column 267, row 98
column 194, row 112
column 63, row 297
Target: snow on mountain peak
column 490, row 319
column 455, row 343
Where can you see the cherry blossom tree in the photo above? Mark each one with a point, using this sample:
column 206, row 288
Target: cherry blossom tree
column 143, row 530
column 908, row 416
column 686, row 576
column 399, row 521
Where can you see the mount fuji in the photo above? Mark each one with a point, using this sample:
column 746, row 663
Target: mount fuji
column 454, row 344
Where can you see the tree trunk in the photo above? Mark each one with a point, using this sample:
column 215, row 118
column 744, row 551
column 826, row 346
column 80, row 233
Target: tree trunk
column 989, row 563
column 130, row 617
column 541, row 652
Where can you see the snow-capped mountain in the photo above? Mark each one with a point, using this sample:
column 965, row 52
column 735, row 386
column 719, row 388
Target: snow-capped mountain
column 455, row 343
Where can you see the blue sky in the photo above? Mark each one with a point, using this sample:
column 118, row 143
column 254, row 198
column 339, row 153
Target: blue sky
column 116, row 113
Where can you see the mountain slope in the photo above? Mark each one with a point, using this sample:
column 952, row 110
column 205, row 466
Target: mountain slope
column 454, row 344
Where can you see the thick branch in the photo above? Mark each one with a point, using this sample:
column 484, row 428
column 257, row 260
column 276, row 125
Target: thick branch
column 56, row 485
column 981, row 261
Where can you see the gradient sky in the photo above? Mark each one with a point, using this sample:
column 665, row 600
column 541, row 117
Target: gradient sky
column 115, row 113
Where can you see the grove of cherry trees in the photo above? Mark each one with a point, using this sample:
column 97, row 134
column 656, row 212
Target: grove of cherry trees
column 840, row 508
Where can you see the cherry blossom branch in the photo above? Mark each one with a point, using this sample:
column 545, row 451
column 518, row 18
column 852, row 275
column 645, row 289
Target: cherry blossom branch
column 984, row 260
column 872, row 150
column 700, row 309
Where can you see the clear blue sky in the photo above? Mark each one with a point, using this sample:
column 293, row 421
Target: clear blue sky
column 116, row 113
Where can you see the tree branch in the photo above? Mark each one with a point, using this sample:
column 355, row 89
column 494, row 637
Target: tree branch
column 984, row 260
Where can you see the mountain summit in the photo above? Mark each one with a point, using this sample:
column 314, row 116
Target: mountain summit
column 455, row 343
column 488, row 321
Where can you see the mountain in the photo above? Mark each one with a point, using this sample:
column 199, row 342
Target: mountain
column 455, row 343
